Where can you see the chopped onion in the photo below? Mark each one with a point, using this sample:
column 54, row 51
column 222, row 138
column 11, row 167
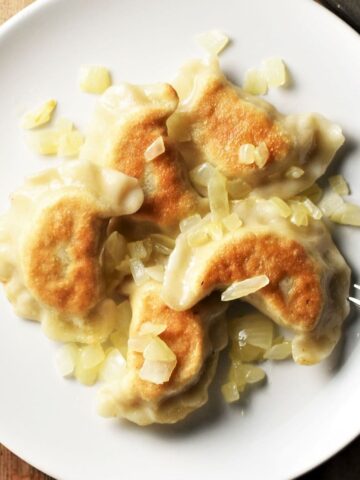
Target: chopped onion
column 232, row 222
column 201, row 174
column 162, row 243
column 87, row 376
column 261, row 154
column 149, row 328
column 314, row 211
column 91, row 355
column 140, row 249
column 155, row 149
column 156, row 272
column 114, row 367
column 44, row 142
column 230, row 392
column 330, row 203
column 245, row 353
column 255, row 82
column 138, row 271
column 275, row 72
column 299, row 215
column 218, row 197
column 197, row 238
column 63, row 125
column 213, row 41
column 156, row 372
column 247, row 154
column 66, row 358
column 282, row 207
column 347, row 214
column 94, row 79
column 339, row 185
column 139, row 342
column 158, row 351
column 237, row 189
column 39, row 116
column 280, row 351
column 294, row 172
column 244, row 288
column 253, row 374
column 189, row 222
column 254, row 329
column 314, row 193
column 214, row 230
column 70, row 144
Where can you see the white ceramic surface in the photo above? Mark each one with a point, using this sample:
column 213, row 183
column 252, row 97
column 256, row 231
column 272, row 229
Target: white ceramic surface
column 303, row 415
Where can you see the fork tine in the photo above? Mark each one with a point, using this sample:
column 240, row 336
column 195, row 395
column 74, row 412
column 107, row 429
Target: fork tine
column 354, row 300
column 357, row 286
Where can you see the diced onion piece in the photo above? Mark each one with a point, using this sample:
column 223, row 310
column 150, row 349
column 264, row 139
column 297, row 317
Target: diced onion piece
column 247, row 154
column 162, row 243
column 245, row 353
column 282, row 207
column 115, row 247
column 189, row 222
column 39, row 116
column 232, row 222
column 140, row 249
column 63, row 125
column 158, row 351
column 254, row 329
column 94, row 79
column 339, row 185
column 314, row 193
column 330, row 203
column 106, row 404
column 149, row 328
column 139, row 343
column 44, row 142
column 261, row 154
column 214, row 230
column 87, row 376
column 70, row 144
column 156, row 272
column 314, row 210
column 201, row 174
column 91, row 355
column 294, row 172
column 237, row 189
column 120, row 341
column 114, row 366
column 66, row 358
column 275, row 72
column 197, row 238
column 138, row 271
column 155, row 149
column 347, row 214
column 255, row 82
column 280, row 351
column 299, row 215
column 230, row 392
column 218, row 197
column 124, row 266
column 244, row 288
column 156, row 372
column 254, row 374
column 213, row 41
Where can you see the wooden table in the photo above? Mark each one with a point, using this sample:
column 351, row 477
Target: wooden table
column 344, row 466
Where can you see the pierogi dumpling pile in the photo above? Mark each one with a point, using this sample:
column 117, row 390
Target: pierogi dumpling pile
column 185, row 197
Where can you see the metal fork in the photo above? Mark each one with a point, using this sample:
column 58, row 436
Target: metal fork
column 355, row 300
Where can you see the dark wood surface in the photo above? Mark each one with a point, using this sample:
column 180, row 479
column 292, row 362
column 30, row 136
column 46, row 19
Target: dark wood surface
column 343, row 466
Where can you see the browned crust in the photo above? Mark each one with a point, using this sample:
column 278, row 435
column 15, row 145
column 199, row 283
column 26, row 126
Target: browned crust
column 61, row 257
column 185, row 335
column 280, row 259
column 221, row 122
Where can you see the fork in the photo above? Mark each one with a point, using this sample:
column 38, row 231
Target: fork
column 355, row 300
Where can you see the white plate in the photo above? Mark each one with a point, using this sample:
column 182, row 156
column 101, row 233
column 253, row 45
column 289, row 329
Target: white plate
column 303, row 415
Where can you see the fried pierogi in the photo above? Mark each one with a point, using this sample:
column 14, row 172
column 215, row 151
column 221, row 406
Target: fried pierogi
column 194, row 336
column 127, row 121
column 215, row 119
column 50, row 243
column 308, row 277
